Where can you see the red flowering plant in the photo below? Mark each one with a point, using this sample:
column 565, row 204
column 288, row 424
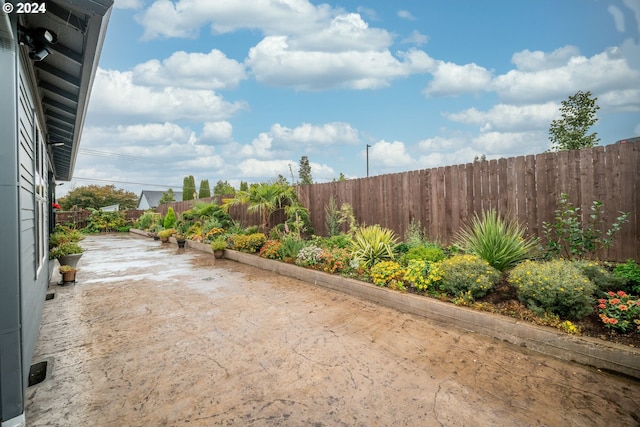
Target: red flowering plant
column 620, row 311
column 54, row 205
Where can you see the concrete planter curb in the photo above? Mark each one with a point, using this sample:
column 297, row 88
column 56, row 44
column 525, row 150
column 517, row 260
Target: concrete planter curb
column 585, row 350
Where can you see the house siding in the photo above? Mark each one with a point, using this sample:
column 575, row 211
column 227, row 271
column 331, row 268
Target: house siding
column 34, row 270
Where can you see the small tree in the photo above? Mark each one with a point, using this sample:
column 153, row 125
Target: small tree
column 170, row 219
column 205, row 191
column 188, row 188
column 304, row 172
column 168, row 196
column 578, row 115
column 223, row 188
column 244, row 186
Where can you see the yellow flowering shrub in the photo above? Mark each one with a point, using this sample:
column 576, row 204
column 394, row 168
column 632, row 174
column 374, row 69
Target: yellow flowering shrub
column 467, row 275
column 422, row 274
column 556, row 286
column 385, row 273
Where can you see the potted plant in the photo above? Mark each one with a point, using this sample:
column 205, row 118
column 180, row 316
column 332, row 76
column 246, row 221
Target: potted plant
column 180, row 239
column 165, row 234
column 68, row 273
column 67, row 253
column 218, row 246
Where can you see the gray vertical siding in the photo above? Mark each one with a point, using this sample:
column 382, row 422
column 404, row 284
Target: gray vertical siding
column 11, row 357
column 34, row 282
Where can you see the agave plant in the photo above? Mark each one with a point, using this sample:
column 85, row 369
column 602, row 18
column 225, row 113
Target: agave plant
column 373, row 244
column 498, row 241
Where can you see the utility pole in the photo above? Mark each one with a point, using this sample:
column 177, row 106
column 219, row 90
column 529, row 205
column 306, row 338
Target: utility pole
column 368, row 160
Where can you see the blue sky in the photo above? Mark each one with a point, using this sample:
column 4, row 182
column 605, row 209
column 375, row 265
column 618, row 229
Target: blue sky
column 239, row 90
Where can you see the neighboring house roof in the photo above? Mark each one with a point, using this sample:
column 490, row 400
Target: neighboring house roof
column 151, row 199
column 65, row 77
column 110, row 208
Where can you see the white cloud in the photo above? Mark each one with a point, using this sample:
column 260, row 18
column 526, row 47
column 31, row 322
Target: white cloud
column 618, row 17
column 273, row 62
column 308, row 134
column 254, row 168
column 184, row 18
column 606, row 71
column 128, row 4
column 390, row 155
column 260, row 147
column 211, row 70
column 527, row 60
column 217, row 132
column 345, row 33
column 509, row 144
column 434, row 159
column 509, row 117
column 115, row 94
column 405, row 14
column 416, row 38
column 452, row 79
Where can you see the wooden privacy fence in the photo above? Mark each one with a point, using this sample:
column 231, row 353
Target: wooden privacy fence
column 238, row 213
column 79, row 217
column 526, row 188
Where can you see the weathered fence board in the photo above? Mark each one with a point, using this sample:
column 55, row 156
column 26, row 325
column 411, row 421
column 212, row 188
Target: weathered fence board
column 526, row 188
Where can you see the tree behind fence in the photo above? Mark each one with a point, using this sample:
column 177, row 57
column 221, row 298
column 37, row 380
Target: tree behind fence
column 526, row 188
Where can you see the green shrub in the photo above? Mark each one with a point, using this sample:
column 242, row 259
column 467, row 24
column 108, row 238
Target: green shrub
column 146, row 220
column 498, row 241
column 603, row 279
column 467, row 276
column 290, row 245
column 271, row 250
column 556, row 286
column 170, row 218
column 425, row 253
column 574, row 238
column 386, row 273
column 415, row 236
column 66, row 248
column 630, row 272
column 373, row 244
column 341, row 240
column 64, row 234
column 309, row 256
column 218, row 244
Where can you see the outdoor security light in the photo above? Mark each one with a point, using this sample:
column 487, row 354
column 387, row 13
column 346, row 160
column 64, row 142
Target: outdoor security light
column 39, row 40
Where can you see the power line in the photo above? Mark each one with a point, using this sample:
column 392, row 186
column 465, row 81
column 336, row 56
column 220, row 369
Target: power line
column 97, row 153
column 126, row 182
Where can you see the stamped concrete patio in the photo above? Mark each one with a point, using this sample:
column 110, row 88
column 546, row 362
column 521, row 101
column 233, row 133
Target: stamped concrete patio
column 152, row 335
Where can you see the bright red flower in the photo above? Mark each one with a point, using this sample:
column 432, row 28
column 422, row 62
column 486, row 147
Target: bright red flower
column 613, row 320
column 621, row 294
column 602, row 306
column 614, row 301
column 54, row 205
column 602, row 301
column 611, row 294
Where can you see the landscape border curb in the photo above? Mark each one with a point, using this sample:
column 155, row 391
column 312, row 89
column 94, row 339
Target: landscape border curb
column 589, row 351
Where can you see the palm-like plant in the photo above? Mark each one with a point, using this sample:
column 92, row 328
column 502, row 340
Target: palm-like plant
column 264, row 198
column 498, row 241
column 373, row 244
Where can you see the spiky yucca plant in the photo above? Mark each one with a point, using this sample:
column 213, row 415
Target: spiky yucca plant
column 373, row 244
column 498, row 241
